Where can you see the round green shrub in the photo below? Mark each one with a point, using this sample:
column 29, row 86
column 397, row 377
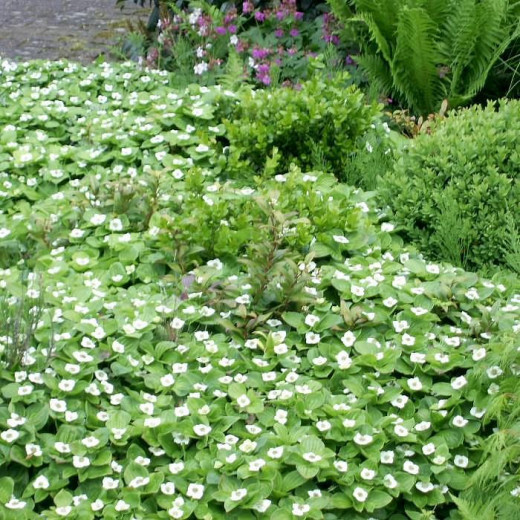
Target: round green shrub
column 453, row 191
column 314, row 127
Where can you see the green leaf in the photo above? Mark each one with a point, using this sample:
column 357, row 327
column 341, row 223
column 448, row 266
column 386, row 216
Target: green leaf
column 292, row 480
column 6, row 489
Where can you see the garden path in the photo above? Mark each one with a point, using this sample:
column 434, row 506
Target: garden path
column 78, row 30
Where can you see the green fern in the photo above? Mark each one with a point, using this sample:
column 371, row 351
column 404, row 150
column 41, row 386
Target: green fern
column 429, row 50
column 415, row 61
column 233, row 74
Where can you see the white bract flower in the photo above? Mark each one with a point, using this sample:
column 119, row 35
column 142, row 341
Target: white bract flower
column 195, row 491
column 300, row 509
column 360, row 494
column 238, row 494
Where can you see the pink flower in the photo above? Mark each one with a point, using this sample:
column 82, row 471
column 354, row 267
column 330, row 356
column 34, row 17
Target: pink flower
column 220, row 30
column 294, row 32
column 259, row 16
column 247, row 7
column 278, row 33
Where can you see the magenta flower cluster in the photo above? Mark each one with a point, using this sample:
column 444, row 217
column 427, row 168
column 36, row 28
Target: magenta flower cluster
column 286, row 38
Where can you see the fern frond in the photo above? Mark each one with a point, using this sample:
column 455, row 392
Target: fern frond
column 341, row 10
column 377, row 71
column 414, row 66
column 233, row 74
column 376, row 35
column 385, row 14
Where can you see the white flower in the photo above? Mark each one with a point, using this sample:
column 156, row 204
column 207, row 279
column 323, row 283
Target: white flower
column 461, row 461
column 200, row 68
column 417, row 357
column 390, row 302
column 152, row 422
column 97, row 505
column 10, row 435
column 415, row 383
column 177, row 324
column 410, row 467
column 168, row 488
column 275, row 453
column 14, row 503
column 429, row 448
column 33, row 450
column 90, row 442
column 494, row 372
column 80, row 462
column 248, row 446
column 357, row 290
column 367, row 474
column 390, row 482
column 348, row 339
column 110, row 483
column 344, row 360
column 41, row 482
column 349, row 423
column 319, row 361
column 387, row 226
column 195, row 491
column 97, row 219
column 243, row 401
column 400, row 401
column 312, row 457
column 176, row 467
column 341, row 466
column 300, row 509
column 256, row 465
column 360, row 494
column 323, row 426
column 479, row 353
column 121, row 505
column 422, row 426
column 408, row 340
column 363, row 440
column 238, row 494
column 399, row 326
column 281, row 349
column 139, row 482
column 57, row 405
column 459, row 382
column 459, row 421
column 311, row 338
column 201, row 429
column 477, row 412
column 387, row 457
column 340, row 239
column 425, row 487
column 311, row 320
column 400, row 430
column 62, row 447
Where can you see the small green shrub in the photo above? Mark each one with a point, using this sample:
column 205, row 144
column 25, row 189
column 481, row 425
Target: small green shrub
column 290, row 125
column 474, row 156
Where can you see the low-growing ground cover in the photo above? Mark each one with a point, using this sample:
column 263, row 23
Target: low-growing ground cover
column 212, row 348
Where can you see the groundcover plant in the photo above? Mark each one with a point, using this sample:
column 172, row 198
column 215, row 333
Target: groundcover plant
column 207, row 348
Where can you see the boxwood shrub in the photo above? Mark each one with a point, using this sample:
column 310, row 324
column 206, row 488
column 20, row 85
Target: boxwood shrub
column 452, row 191
column 314, row 126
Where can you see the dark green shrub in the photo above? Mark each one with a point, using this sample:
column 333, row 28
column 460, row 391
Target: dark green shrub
column 314, row 127
column 468, row 172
